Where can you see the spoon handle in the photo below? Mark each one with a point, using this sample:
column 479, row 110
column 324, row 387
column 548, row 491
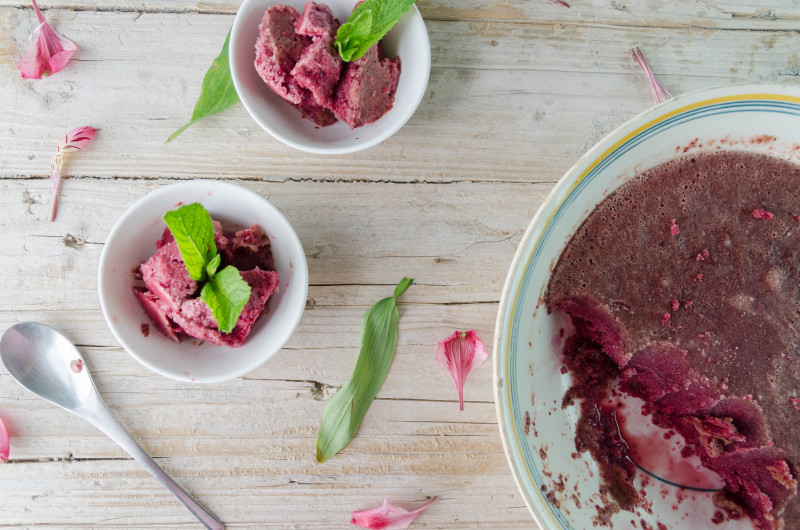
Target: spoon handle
column 98, row 414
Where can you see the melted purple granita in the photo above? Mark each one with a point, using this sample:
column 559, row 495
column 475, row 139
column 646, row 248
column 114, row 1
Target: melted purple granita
column 701, row 322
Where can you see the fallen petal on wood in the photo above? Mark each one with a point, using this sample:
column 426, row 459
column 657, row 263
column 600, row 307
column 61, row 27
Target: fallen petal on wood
column 388, row 517
column 74, row 141
column 4, row 443
column 658, row 92
column 47, row 53
column 460, row 353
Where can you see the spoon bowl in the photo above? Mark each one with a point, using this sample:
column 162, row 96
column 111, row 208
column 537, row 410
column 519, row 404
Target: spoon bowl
column 46, row 363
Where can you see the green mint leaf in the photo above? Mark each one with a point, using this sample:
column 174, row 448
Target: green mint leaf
column 226, row 293
column 193, row 230
column 217, row 93
column 213, row 265
column 367, row 24
column 346, row 409
column 351, row 36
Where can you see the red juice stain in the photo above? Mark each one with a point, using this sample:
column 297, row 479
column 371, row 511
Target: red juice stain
column 657, row 450
column 145, row 328
column 77, row 365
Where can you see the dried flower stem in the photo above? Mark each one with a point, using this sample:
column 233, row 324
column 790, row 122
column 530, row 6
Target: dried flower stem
column 659, row 93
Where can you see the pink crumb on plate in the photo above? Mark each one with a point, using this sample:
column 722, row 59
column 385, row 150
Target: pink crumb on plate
column 761, row 213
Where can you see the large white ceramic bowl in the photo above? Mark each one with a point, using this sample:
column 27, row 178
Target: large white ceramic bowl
column 132, row 241
column 538, row 435
column 408, row 39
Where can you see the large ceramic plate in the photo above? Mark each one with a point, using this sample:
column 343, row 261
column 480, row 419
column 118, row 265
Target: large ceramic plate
column 561, row 490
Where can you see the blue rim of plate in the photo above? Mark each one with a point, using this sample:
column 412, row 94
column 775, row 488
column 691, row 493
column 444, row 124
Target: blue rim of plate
column 752, row 98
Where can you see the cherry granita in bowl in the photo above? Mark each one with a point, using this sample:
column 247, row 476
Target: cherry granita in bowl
column 174, row 300
column 297, row 59
column 683, row 287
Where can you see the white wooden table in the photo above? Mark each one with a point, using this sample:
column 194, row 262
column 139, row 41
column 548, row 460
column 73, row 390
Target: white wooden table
column 518, row 90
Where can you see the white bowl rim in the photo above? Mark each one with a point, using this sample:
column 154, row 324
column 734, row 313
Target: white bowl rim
column 238, row 26
column 560, row 190
column 166, row 190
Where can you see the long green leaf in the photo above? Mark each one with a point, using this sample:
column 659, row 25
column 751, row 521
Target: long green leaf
column 217, row 93
column 346, row 409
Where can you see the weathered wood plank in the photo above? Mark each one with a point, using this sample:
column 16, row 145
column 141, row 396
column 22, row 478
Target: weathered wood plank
column 724, row 14
column 246, row 447
column 540, row 94
column 248, row 493
column 457, row 240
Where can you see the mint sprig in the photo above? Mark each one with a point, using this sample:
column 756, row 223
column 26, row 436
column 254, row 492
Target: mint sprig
column 225, row 292
column 228, row 293
column 193, row 230
column 344, row 412
column 367, row 24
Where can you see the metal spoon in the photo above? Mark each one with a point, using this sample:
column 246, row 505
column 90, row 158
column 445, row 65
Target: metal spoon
column 46, row 363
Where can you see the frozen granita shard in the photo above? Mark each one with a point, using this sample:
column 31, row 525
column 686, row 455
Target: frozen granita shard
column 655, row 371
column 320, row 66
column 297, row 58
column 367, row 88
column 596, row 323
column 730, row 425
column 278, row 48
column 157, row 313
column 165, row 274
column 317, row 21
column 248, row 249
column 760, row 481
column 318, row 71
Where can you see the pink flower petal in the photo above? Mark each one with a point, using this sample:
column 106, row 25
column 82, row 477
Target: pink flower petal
column 460, row 353
column 74, row 141
column 48, row 53
column 388, row 517
column 658, row 92
column 4, row 445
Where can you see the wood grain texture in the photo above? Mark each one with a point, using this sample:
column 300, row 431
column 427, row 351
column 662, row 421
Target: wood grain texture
column 539, row 93
column 519, row 89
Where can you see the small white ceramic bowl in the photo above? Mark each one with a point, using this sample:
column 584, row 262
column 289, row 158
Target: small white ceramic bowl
column 408, row 40
column 132, row 241
column 538, row 435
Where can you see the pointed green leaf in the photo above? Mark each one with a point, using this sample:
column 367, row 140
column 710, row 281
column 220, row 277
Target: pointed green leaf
column 226, row 293
column 193, row 230
column 217, row 93
column 213, row 265
column 345, row 411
